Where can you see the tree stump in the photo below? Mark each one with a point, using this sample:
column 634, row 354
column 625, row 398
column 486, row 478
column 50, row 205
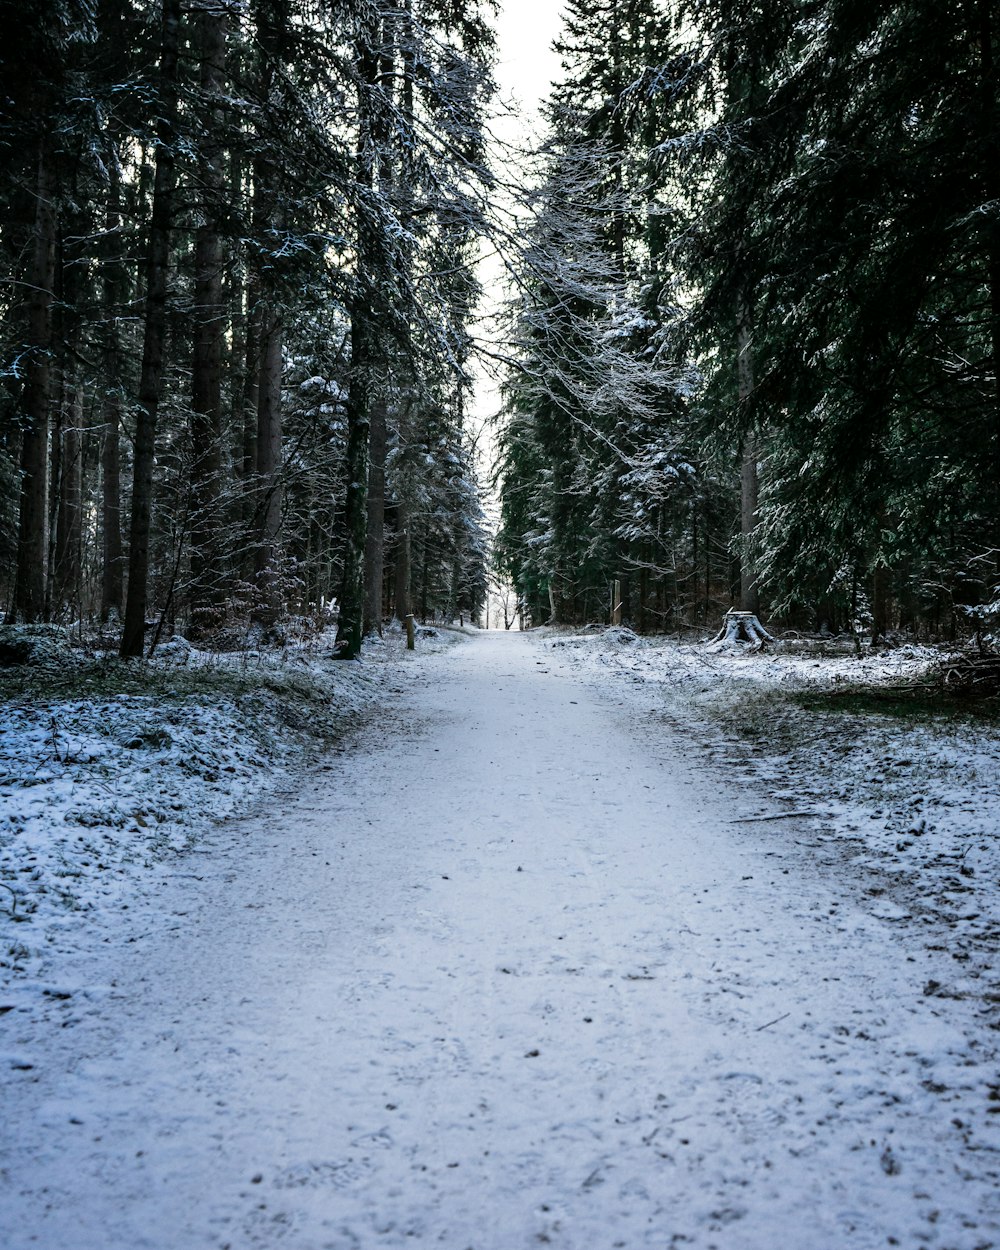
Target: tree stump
column 743, row 627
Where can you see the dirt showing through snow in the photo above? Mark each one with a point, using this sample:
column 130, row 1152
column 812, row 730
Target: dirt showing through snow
column 510, row 972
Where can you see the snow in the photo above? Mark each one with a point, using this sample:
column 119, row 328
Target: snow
column 543, row 955
column 96, row 789
column 911, row 802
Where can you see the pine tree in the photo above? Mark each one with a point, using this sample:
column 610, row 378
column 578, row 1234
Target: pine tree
column 155, row 323
column 600, row 401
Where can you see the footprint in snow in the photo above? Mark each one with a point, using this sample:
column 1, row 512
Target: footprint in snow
column 340, row 1175
column 267, row 1228
column 380, row 1140
column 745, row 1096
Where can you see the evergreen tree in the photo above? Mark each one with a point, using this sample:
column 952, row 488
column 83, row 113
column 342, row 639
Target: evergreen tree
column 221, row 145
column 849, row 215
column 598, row 404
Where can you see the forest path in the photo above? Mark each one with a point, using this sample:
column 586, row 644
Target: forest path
column 506, row 977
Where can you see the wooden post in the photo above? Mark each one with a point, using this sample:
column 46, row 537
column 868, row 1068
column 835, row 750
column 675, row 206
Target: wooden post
column 616, row 603
column 410, row 633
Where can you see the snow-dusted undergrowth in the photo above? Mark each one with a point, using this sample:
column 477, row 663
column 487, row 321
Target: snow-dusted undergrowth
column 905, row 793
column 107, row 768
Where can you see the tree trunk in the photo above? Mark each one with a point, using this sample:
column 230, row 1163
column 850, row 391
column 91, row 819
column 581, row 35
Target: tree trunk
column 749, row 598
column 425, row 577
column 112, row 585
column 378, row 434
column 695, row 570
column 352, row 595
column 154, row 339
column 401, row 565
column 268, row 444
column 32, row 540
column 881, row 580
column 266, row 329
column 375, row 537
column 69, row 517
column 364, row 346
column 983, row 19
column 248, row 426
column 210, row 325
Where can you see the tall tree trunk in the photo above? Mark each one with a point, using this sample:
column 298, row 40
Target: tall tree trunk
column 242, row 383
column 112, row 583
column 378, row 437
column 268, row 447
column 351, row 619
column 364, row 346
column 248, row 426
column 266, row 328
column 154, row 339
column 69, row 516
column 375, row 537
column 983, row 20
column 881, row 582
column 402, row 573
column 32, row 539
column 695, row 570
column 401, row 563
column 749, row 598
column 210, row 324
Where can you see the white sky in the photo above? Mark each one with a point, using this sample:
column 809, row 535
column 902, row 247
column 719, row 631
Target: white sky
column 525, row 68
column 527, row 64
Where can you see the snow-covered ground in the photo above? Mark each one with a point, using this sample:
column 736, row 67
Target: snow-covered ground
column 108, row 769
column 580, row 942
column 909, row 801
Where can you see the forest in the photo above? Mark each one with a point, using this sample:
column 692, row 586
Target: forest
column 317, row 344
column 238, row 244
column 750, row 346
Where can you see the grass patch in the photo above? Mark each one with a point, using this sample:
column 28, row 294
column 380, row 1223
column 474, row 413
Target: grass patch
column 918, row 705
column 83, row 678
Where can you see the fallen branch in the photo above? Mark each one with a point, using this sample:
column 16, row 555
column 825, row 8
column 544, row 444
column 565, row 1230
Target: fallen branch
column 875, row 692
column 977, row 674
column 750, row 820
column 13, row 894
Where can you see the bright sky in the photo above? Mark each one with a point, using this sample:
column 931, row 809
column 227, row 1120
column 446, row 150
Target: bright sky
column 525, row 68
column 527, row 64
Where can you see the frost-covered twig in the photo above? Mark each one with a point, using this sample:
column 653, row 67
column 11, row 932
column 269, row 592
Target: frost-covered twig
column 13, row 894
column 778, row 1019
column 749, row 820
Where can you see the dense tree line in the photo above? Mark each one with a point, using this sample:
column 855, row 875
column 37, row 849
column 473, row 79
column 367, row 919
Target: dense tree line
column 759, row 341
column 237, row 241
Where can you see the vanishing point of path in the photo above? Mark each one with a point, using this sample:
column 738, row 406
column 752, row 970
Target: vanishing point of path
column 506, row 975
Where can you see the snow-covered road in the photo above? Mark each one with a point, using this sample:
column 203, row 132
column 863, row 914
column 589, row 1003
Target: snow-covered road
column 510, row 972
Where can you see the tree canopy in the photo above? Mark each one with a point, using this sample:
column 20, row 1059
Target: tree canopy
column 752, row 344
column 801, row 201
